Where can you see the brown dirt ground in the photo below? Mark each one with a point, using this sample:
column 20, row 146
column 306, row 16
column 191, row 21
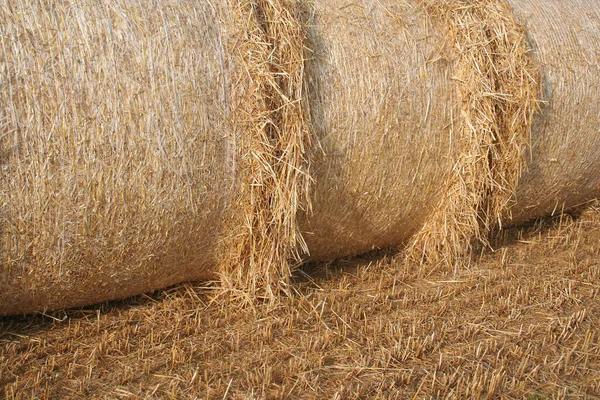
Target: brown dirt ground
column 520, row 322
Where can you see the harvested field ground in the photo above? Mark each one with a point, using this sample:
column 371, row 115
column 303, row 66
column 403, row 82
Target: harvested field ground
column 520, row 322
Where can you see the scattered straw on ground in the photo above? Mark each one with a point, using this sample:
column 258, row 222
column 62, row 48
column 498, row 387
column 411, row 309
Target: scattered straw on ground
column 522, row 322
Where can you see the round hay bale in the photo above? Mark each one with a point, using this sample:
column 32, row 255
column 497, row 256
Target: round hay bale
column 562, row 165
column 146, row 144
column 383, row 109
column 114, row 148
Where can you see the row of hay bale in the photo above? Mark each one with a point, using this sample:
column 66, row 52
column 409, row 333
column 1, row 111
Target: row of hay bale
column 149, row 143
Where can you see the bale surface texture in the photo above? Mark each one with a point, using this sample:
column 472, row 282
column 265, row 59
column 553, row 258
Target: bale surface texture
column 383, row 108
column 114, row 148
column 562, row 165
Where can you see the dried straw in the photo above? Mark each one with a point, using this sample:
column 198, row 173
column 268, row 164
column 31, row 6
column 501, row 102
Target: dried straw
column 148, row 143
column 114, row 128
column 497, row 79
column 271, row 146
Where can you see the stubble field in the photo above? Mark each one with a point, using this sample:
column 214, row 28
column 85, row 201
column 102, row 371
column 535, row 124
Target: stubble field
column 521, row 321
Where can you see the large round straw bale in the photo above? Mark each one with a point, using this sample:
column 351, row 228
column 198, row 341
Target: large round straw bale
column 113, row 148
column 382, row 107
column 422, row 112
column 563, row 163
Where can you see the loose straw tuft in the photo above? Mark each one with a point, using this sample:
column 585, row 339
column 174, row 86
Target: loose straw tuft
column 497, row 80
column 272, row 147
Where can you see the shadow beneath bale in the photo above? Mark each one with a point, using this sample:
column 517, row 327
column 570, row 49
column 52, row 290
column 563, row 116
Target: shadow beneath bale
column 17, row 326
column 533, row 228
column 24, row 325
column 558, row 230
column 327, row 270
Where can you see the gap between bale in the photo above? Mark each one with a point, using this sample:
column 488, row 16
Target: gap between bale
column 271, row 146
column 497, row 79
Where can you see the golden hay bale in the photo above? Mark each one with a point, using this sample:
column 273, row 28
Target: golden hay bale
column 383, row 108
column 563, row 163
column 148, row 143
column 114, row 147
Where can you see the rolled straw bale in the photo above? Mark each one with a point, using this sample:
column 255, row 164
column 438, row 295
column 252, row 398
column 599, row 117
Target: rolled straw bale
column 149, row 143
column 562, row 168
column 114, row 145
column 382, row 106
